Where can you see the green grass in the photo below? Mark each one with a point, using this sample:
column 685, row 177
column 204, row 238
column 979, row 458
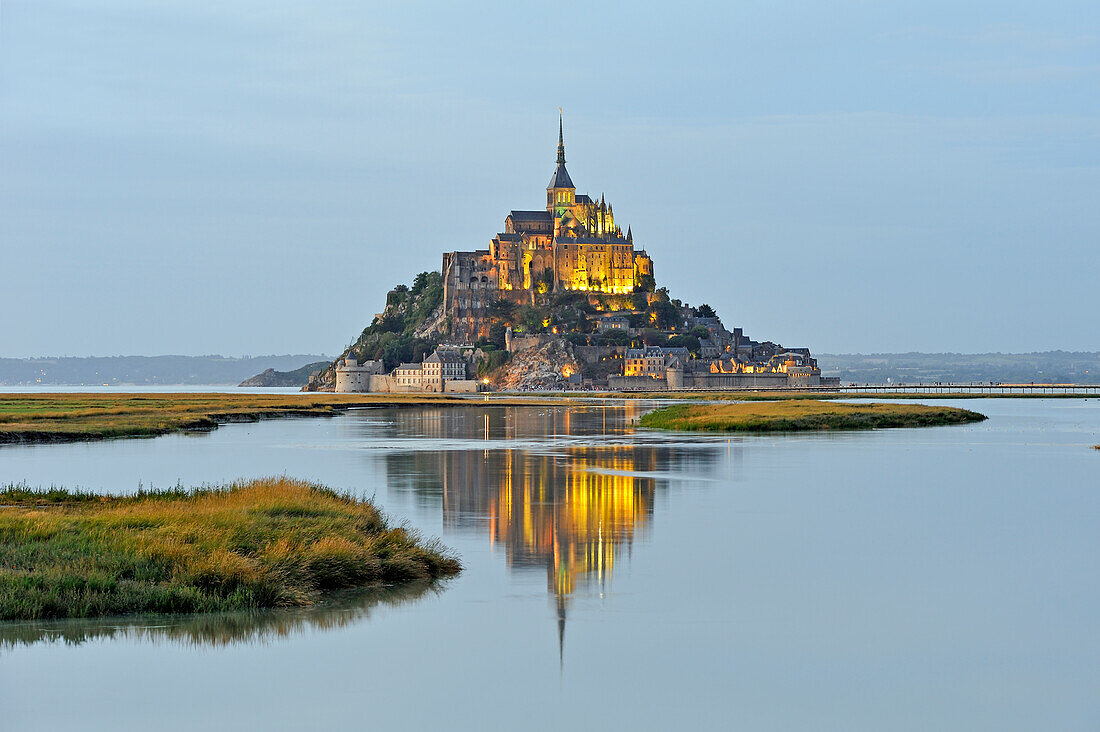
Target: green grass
column 262, row 544
column 801, row 415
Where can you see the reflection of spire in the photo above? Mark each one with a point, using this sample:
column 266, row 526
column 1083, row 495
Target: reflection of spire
column 561, row 634
column 572, row 513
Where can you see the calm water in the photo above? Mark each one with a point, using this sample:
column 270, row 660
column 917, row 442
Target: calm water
column 909, row 579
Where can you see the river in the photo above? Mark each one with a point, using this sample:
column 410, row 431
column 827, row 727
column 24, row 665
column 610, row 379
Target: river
column 938, row 578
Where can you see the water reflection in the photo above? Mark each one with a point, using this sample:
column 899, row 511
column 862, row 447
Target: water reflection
column 217, row 629
column 567, row 491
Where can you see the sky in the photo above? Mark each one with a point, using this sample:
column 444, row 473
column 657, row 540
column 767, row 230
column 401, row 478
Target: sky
column 252, row 177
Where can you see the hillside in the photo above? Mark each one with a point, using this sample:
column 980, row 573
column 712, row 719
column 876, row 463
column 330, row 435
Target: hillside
column 409, row 328
column 142, row 370
column 297, row 377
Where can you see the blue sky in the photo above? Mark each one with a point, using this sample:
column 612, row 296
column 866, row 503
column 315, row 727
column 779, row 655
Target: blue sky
column 243, row 178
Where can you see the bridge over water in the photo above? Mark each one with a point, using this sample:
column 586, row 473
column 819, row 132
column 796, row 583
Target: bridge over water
column 967, row 388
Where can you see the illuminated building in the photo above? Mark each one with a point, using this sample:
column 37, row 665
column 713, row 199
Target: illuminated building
column 574, row 244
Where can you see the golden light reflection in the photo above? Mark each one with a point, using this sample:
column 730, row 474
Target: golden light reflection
column 570, row 509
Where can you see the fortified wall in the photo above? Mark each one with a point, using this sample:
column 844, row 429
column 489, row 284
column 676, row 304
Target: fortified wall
column 679, row 379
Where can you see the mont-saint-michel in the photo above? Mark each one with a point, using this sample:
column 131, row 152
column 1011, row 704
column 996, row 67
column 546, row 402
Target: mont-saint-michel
column 573, row 451
column 562, row 298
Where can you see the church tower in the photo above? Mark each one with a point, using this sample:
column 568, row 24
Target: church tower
column 561, row 193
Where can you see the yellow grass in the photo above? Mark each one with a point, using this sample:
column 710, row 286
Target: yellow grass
column 66, row 417
column 798, row 415
column 769, row 395
column 274, row 542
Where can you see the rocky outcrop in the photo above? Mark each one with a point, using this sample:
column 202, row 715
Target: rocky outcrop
column 545, row 368
column 297, row 377
column 408, row 329
column 434, row 325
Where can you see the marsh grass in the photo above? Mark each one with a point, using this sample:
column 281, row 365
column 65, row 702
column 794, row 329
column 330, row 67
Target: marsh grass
column 769, row 395
column 267, row 543
column 74, row 417
column 801, row 415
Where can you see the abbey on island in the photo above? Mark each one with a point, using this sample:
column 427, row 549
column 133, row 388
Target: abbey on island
column 574, row 244
column 586, row 310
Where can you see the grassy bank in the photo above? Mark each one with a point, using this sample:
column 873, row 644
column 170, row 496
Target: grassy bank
column 72, row 417
column 767, row 395
column 799, row 415
column 262, row 544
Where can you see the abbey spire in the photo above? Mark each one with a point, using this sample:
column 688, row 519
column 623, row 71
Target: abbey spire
column 561, row 142
column 561, row 189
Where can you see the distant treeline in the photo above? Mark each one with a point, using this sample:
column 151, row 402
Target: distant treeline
column 1079, row 367
column 144, row 370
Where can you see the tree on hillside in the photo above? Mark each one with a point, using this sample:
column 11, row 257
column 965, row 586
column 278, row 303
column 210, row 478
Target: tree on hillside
column 704, row 311
column 664, row 315
column 689, row 342
column 616, row 338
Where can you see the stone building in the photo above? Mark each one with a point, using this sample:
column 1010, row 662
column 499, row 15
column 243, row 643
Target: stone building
column 611, row 321
column 652, row 361
column 574, row 244
column 441, row 367
column 654, row 368
column 409, row 377
column 443, row 371
column 355, row 377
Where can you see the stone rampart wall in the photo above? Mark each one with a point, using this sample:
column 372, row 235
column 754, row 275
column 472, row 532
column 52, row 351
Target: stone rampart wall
column 641, row 383
column 460, row 386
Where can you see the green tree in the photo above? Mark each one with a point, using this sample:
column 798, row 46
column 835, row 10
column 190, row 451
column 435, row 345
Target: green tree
column 496, row 335
column 616, row 337
column 531, row 318
column 704, row 311
column 689, row 342
column 664, row 315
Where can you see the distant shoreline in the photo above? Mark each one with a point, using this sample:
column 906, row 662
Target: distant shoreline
column 166, row 371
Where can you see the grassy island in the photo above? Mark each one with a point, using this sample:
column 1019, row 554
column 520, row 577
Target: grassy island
column 262, row 544
column 801, row 415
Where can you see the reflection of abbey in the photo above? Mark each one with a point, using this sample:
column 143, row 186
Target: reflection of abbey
column 574, row 244
column 573, row 513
